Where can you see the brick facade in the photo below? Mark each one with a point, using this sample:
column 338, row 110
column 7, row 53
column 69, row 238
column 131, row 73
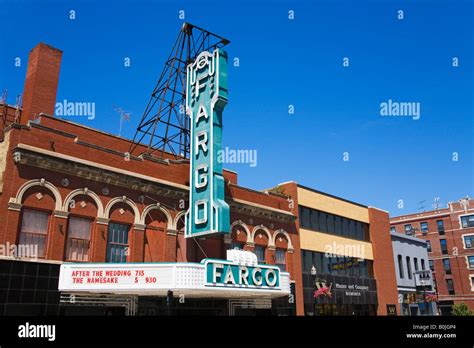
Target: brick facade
column 456, row 250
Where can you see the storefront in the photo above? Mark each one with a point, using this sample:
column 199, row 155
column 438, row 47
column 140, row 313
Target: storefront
column 326, row 293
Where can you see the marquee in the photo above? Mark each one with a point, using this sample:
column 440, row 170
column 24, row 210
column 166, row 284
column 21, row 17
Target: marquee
column 238, row 276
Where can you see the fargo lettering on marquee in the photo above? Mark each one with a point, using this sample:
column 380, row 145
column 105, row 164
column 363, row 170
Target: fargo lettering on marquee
column 228, row 274
column 206, row 97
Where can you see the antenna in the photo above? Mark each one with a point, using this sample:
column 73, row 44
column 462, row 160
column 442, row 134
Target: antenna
column 422, row 205
column 4, row 97
column 18, row 108
column 164, row 126
column 436, row 203
column 124, row 116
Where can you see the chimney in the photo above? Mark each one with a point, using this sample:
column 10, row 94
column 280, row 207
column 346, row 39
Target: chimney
column 41, row 82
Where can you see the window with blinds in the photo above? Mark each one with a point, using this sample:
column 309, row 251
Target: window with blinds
column 78, row 241
column 34, row 230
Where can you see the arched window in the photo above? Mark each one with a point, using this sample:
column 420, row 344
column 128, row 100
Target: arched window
column 33, row 233
column 400, row 266
column 409, row 267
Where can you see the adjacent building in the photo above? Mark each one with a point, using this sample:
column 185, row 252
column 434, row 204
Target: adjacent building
column 416, row 294
column 449, row 234
column 346, row 254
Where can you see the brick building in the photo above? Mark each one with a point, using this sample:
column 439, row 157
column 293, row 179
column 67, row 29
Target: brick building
column 73, row 192
column 449, row 234
column 347, row 246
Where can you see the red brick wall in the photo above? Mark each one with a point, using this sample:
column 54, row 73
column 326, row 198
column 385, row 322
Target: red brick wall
column 41, row 83
column 384, row 268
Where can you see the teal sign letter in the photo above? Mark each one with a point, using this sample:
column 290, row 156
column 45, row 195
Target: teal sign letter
column 206, row 97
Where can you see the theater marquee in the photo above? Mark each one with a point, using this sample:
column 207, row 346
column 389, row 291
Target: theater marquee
column 206, row 97
column 238, row 276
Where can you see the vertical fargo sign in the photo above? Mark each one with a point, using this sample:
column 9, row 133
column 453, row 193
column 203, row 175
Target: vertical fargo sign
column 206, row 97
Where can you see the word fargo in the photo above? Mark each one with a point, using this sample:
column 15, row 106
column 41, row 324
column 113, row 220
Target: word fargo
column 206, row 97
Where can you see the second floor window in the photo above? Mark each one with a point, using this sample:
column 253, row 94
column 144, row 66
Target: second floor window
column 260, row 252
column 444, row 246
column 450, row 286
column 424, row 227
column 280, row 259
column 78, row 239
column 34, row 229
column 469, row 241
column 447, row 266
column 117, row 243
column 431, row 263
column 415, row 262
column 428, row 246
column 470, row 261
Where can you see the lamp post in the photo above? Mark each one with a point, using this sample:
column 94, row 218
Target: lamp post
column 313, row 272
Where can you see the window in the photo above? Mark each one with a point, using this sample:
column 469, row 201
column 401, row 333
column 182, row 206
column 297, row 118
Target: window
column 34, row 229
column 78, row 239
column 322, row 221
column 450, row 286
column 117, row 243
column 440, row 224
column 469, row 241
column 314, row 220
column 260, row 252
column 422, row 264
column 415, row 262
column 330, row 218
column 392, row 229
column 424, row 228
column 400, row 266
column 431, row 263
column 237, row 246
column 470, row 261
column 305, row 218
column 447, row 266
column 428, row 246
column 408, row 229
column 280, row 259
column 352, row 229
column 409, row 267
column 467, row 221
column 444, row 246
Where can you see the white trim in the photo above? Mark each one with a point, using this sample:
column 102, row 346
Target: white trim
column 459, row 220
column 287, row 236
column 464, row 243
column 262, row 206
column 125, row 200
column 267, row 231
column 169, row 219
column 85, row 191
column 176, row 219
column 38, row 182
column 245, row 227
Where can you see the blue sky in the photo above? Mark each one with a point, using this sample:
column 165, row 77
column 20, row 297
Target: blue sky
column 286, row 62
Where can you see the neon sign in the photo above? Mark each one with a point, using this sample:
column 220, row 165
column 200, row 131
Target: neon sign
column 206, row 97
